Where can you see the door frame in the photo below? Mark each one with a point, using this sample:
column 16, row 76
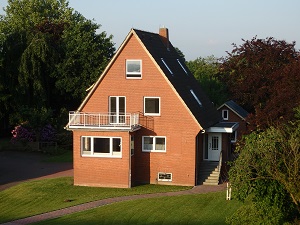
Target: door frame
column 208, row 147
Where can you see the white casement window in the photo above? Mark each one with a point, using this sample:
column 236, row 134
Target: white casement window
column 101, row 146
column 134, row 69
column 152, row 106
column 225, row 114
column 233, row 137
column 154, row 144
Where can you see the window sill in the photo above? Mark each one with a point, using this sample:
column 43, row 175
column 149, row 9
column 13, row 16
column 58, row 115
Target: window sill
column 102, row 156
column 158, row 151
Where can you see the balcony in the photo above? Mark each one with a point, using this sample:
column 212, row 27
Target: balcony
column 103, row 121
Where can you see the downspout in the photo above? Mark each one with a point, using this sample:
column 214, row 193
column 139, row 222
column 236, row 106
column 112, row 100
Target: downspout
column 129, row 171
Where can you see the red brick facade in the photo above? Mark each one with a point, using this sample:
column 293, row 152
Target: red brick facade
column 175, row 122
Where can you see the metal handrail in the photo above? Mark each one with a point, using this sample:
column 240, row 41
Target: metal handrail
column 220, row 164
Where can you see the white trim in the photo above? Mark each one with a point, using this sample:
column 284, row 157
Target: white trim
column 137, row 75
column 163, row 173
column 154, row 144
column 159, row 108
column 222, row 129
column 223, row 111
column 111, row 154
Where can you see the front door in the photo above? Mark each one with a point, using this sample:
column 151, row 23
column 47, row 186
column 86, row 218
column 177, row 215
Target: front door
column 213, row 145
column 117, row 109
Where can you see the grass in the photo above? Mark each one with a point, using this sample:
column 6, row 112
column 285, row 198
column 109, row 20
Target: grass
column 210, row 208
column 65, row 156
column 39, row 196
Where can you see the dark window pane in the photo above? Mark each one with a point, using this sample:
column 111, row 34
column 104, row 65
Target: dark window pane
column 101, row 145
column 116, row 145
column 152, row 105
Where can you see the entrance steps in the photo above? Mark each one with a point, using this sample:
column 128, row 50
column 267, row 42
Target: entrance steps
column 208, row 173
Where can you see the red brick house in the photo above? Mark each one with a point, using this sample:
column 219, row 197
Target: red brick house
column 146, row 120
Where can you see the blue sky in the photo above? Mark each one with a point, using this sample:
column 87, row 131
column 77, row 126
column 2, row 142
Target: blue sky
column 198, row 28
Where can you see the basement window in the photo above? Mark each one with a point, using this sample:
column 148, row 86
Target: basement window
column 164, row 176
column 167, row 66
column 195, row 96
column 182, row 67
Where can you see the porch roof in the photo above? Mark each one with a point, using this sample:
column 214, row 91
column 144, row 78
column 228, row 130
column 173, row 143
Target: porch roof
column 223, row 127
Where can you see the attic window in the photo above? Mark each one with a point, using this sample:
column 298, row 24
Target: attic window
column 166, row 66
column 133, row 69
column 196, row 98
column 182, row 67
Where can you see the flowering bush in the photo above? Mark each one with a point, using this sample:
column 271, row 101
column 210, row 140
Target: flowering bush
column 20, row 133
column 26, row 134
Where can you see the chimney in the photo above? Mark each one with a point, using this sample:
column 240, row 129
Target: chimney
column 164, row 35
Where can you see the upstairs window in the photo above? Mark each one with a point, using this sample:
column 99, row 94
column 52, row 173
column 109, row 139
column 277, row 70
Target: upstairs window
column 225, row 114
column 152, row 106
column 133, row 69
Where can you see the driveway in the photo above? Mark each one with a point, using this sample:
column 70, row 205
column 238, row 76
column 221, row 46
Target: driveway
column 16, row 167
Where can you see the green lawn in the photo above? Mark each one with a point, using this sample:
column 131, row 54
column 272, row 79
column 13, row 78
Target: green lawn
column 35, row 197
column 211, row 208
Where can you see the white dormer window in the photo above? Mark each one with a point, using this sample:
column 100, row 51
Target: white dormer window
column 133, row 69
column 225, row 114
column 196, row 98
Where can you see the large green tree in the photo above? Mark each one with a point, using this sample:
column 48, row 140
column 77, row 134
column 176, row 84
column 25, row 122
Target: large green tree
column 267, row 174
column 262, row 75
column 49, row 55
column 206, row 71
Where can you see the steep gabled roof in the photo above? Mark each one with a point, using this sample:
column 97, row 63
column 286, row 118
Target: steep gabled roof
column 181, row 78
column 237, row 109
column 175, row 70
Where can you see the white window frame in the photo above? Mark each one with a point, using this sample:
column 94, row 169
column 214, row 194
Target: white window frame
column 159, row 108
column 168, row 180
column 154, row 144
column 235, row 137
column 134, row 75
column 111, row 153
column 223, row 112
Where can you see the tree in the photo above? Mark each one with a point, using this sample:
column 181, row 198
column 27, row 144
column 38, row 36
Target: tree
column 206, row 70
column 49, row 56
column 258, row 73
column 267, row 169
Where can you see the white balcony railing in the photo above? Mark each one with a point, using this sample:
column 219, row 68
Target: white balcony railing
column 128, row 121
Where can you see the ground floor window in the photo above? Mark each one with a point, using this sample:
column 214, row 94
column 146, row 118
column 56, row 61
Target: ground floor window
column 154, row 144
column 101, row 146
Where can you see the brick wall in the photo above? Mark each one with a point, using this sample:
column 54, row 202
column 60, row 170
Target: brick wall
column 175, row 122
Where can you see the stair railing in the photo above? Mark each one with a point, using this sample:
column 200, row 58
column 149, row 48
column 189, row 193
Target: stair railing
column 220, row 164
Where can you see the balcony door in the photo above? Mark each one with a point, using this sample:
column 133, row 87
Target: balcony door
column 117, row 109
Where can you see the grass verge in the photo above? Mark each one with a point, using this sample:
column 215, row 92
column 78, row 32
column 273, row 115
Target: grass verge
column 39, row 196
column 210, row 208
